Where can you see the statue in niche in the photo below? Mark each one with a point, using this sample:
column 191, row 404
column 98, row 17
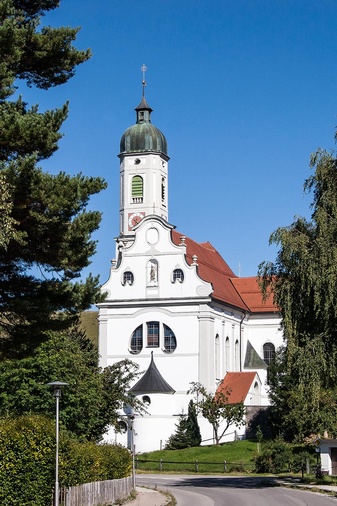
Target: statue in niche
column 153, row 272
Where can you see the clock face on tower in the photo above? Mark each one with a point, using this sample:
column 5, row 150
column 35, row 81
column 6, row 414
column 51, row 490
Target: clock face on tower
column 134, row 219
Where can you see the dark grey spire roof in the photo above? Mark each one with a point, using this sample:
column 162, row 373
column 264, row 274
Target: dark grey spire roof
column 152, row 382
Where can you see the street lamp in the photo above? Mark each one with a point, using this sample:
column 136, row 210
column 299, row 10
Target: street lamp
column 57, row 386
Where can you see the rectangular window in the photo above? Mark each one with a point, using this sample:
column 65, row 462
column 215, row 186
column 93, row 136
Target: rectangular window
column 153, row 334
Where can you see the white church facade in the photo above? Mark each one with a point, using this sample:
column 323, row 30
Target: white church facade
column 173, row 305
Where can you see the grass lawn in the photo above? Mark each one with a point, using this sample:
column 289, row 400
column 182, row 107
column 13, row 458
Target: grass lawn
column 89, row 323
column 239, row 457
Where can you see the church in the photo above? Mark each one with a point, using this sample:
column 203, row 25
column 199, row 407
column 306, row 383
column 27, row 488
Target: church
column 174, row 306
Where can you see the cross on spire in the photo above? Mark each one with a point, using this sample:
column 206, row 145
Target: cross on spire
column 143, row 68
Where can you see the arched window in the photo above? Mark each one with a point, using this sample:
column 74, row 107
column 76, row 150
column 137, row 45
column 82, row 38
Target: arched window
column 217, row 356
column 227, row 354
column 137, row 189
column 128, row 278
column 157, row 335
column 136, row 344
column 170, row 342
column 152, row 334
column 178, row 275
column 163, row 190
column 268, row 353
column 237, row 355
column 146, row 400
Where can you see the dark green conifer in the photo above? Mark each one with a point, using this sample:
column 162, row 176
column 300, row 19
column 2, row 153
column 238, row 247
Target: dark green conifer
column 45, row 239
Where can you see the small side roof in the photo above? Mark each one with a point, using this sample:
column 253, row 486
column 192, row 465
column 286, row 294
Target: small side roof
column 152, row 382
column 238, row 384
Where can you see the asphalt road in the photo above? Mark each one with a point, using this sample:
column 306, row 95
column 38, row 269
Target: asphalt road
column 231, row 491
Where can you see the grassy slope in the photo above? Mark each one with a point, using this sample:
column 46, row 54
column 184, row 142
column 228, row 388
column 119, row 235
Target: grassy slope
column 238, row 454
column 89, row 324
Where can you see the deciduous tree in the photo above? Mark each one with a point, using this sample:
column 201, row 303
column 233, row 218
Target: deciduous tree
column 217, row 410
column 92, row 399
column 303, row 281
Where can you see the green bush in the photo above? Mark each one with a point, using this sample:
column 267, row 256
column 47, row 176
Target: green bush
column 86, row 462
column 275, row 457
column 27, row 457
column 27, row 461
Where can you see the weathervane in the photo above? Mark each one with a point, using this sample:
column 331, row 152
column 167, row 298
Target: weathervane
column 143, row 68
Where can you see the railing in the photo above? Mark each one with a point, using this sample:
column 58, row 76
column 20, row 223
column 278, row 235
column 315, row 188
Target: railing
column 98, row 492
column 194, row 466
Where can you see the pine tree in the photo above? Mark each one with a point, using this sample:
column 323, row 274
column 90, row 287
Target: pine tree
column 187, row 432
column 193, row 434
column 45, row 240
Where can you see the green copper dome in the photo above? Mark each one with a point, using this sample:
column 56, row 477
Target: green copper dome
column 143, row 136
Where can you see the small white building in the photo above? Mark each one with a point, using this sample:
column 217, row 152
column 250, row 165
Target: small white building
column 175, row 303
column 328, row 454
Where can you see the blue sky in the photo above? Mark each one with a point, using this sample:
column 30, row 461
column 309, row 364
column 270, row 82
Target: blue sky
column 243, row 90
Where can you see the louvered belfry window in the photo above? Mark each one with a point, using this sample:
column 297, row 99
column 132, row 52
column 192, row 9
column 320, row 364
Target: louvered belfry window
column 137, row 189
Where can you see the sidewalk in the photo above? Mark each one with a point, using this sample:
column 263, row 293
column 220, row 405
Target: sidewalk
column 148, row 497
column 294, row 483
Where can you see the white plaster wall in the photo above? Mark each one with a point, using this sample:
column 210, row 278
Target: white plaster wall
column 135, row 258
column 186, row 308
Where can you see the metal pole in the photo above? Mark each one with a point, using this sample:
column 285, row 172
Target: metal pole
column 56, row 497
column 133, row 455
column 57, row 386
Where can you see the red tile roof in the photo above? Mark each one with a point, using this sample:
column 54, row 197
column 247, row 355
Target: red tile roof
column 238, row 383
column 242, row 293
column 251, row 294
column 212, row 268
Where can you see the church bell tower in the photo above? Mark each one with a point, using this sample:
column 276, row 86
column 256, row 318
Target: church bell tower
column 143, row 170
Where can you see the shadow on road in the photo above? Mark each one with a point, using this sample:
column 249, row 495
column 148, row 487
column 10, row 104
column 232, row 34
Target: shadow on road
column 224, row 481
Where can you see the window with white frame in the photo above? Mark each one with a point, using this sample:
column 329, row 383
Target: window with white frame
column 237, row 355
column 137, row 188
column 136, row 344
column 268, row 353
column 178, row 275
column 152, row 334
column 157, row 335
column 163, row 190
column 227, row 354
column 170, row 342
column 128, row 278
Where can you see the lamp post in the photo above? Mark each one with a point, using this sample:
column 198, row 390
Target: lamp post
column 57, row 386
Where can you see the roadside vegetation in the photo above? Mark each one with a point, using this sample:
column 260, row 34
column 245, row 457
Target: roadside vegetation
column 237, row 457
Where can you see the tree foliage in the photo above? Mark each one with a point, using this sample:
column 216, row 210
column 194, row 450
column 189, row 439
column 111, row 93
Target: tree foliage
column 92, row 399
column 45, row 238
column 187, row 432
column 303, row 281
column 217, row 410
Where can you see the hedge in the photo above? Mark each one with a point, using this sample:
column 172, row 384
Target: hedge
column 27, row 461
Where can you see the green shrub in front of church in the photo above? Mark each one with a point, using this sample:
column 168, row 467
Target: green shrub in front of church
column 275, row 457
column 187, row 431
column 27, row 461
